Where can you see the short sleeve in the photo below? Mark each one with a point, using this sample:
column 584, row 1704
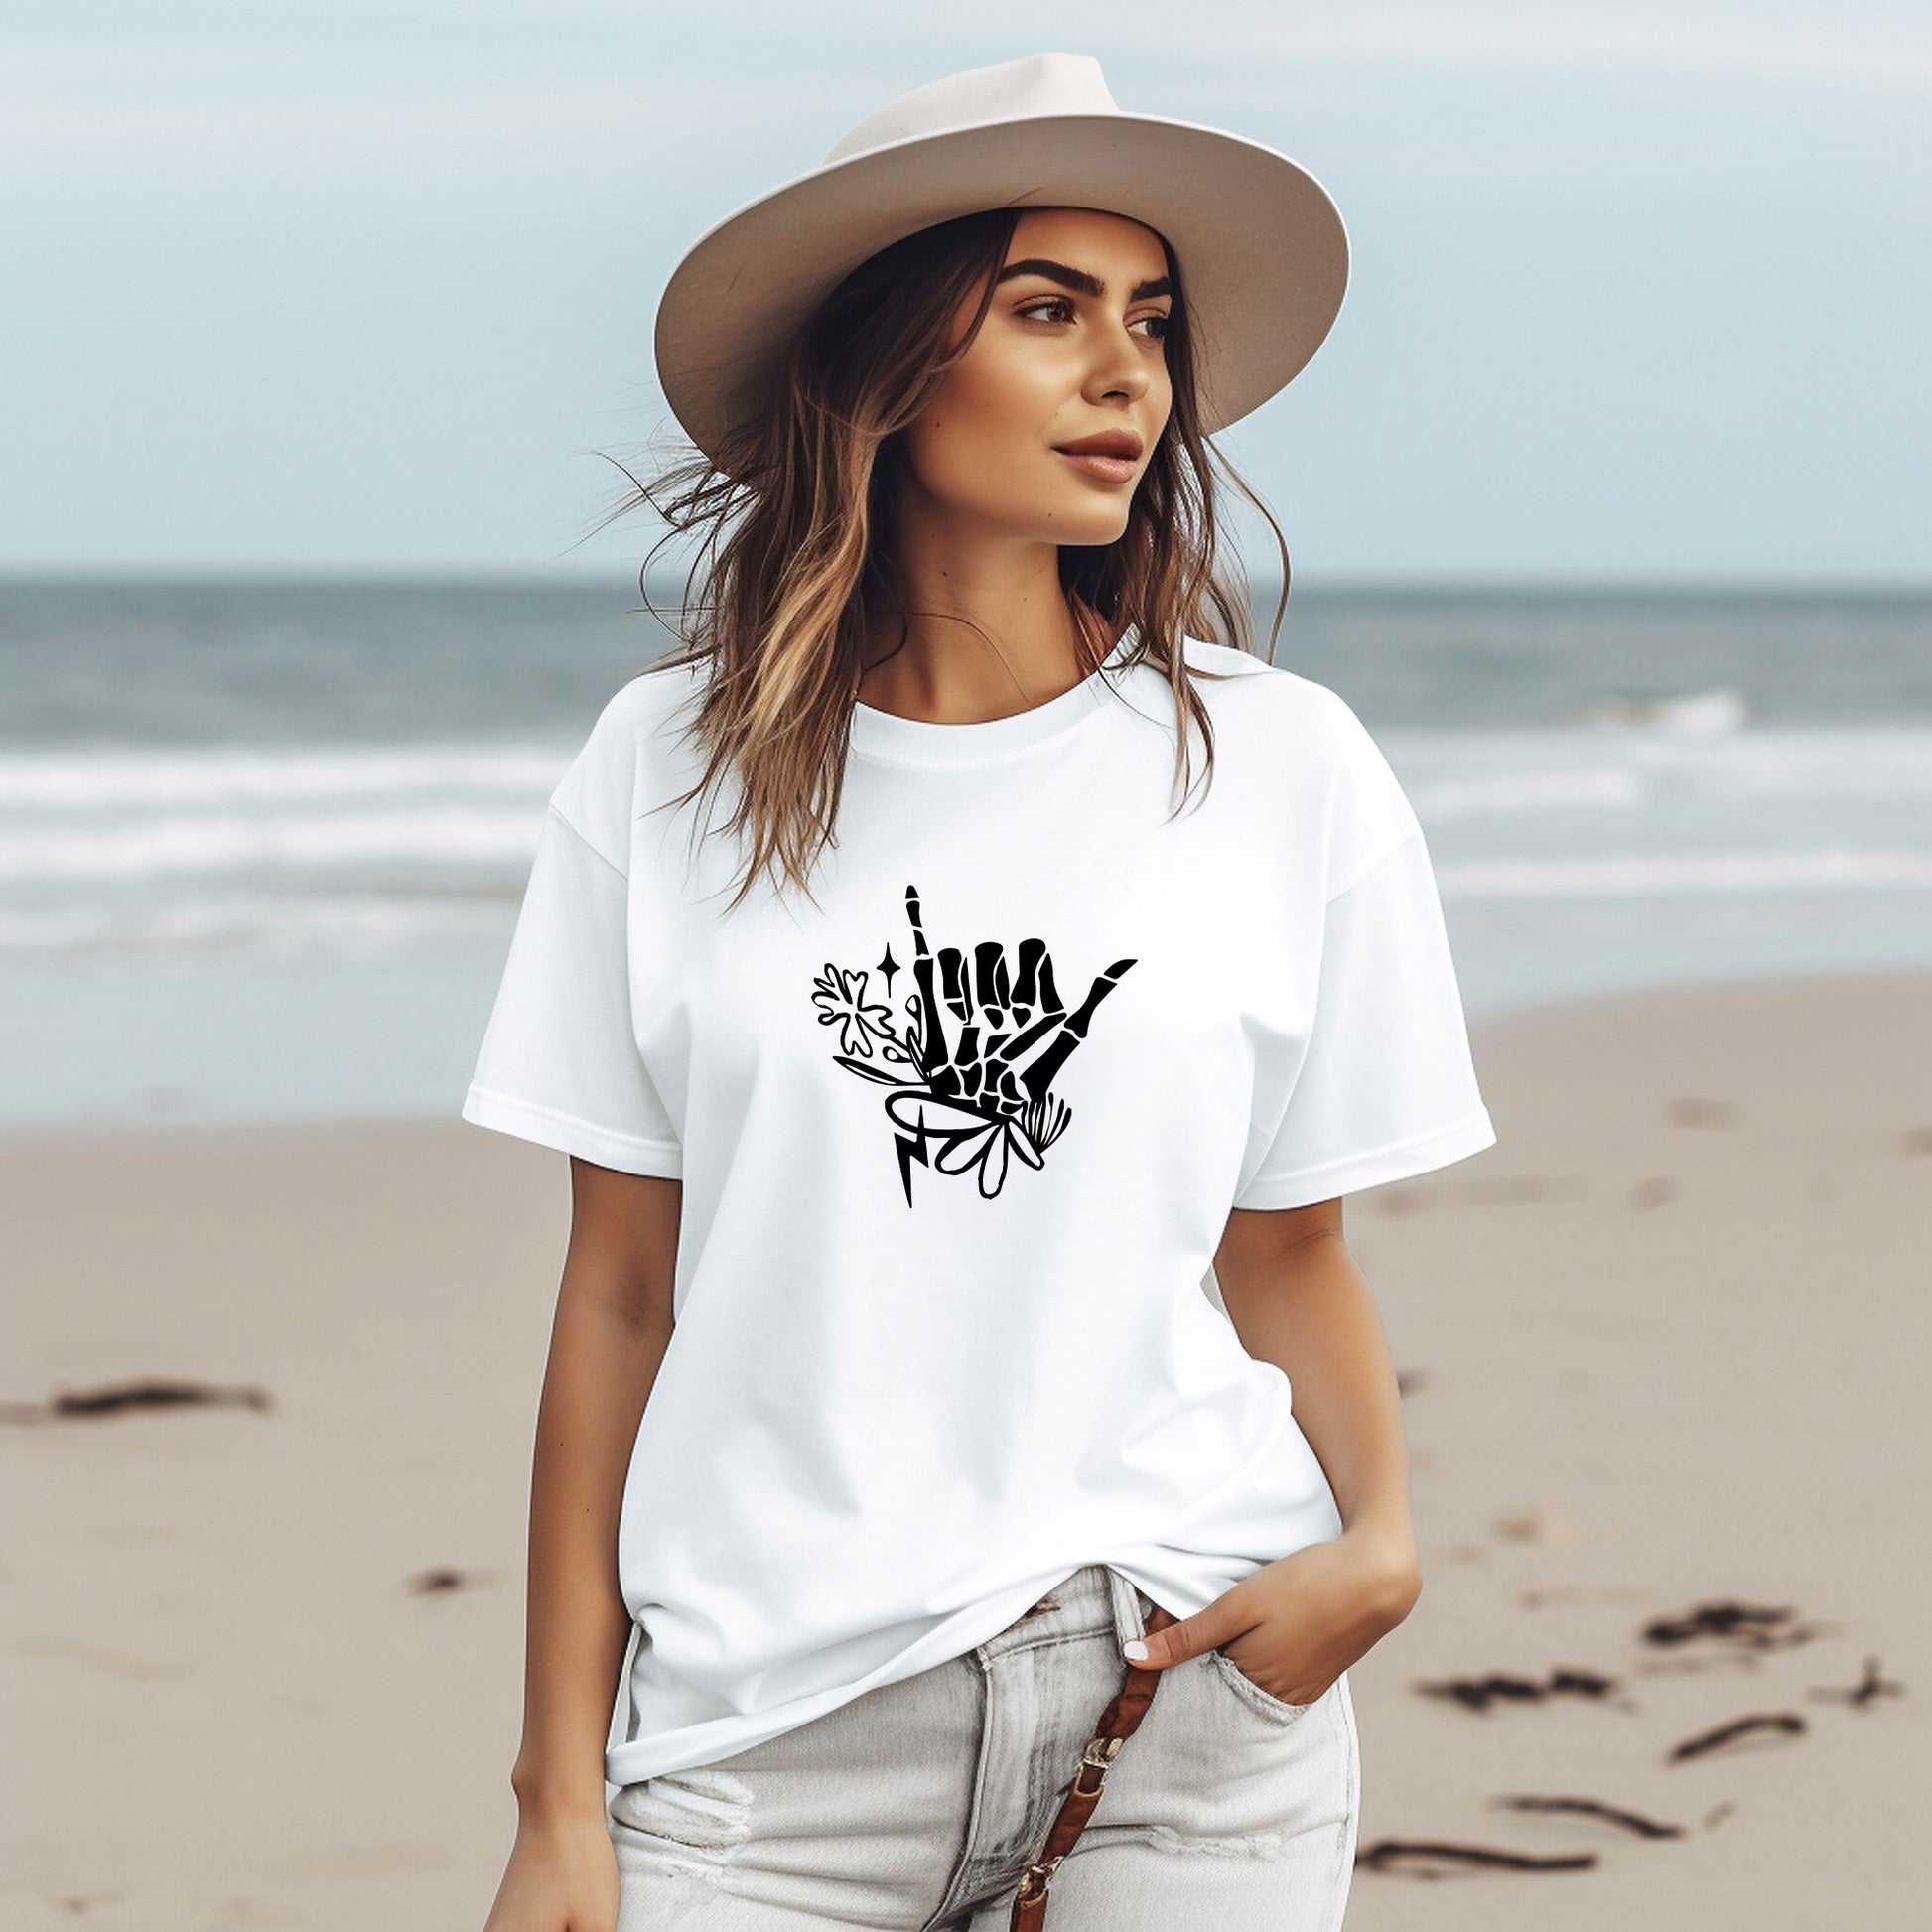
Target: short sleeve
column 560, row 1063
column 1386, row 1087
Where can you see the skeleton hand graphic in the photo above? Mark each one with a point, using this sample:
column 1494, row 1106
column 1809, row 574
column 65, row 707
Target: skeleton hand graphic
column 972, row 1074
column 1010, row 1029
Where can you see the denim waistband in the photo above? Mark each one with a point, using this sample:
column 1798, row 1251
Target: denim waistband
column 1094, row 1599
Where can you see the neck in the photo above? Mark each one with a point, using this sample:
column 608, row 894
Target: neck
column 988, row 630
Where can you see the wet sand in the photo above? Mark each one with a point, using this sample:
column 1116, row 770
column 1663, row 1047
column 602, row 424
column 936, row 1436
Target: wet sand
column 1663, row 1348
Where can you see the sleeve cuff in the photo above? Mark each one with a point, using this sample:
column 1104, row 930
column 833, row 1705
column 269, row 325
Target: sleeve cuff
column 606, row 1147
column 1352, row 1173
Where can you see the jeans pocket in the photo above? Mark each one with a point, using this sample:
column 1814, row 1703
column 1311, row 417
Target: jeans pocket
column 703, row 1810
column 1278, row 1710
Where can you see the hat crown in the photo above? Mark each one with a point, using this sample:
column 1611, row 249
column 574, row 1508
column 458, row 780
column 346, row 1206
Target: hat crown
column 1008, row 91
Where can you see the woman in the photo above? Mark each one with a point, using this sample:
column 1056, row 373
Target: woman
column 889, row 1404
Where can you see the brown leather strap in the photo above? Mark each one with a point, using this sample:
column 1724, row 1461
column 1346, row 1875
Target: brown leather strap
column 1117, row 1724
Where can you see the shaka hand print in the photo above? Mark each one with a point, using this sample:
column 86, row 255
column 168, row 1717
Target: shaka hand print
column 971, row 1065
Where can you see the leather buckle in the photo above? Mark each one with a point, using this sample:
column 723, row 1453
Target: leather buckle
column 1099, row 1753
column 1036, row 1877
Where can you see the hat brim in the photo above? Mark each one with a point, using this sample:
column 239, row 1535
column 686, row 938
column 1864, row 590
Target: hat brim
column 1259, row 242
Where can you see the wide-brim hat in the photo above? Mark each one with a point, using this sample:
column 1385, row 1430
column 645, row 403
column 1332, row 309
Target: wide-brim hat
column 1263, row 253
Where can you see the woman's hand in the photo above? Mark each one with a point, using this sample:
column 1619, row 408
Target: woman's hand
column 562, row 1876
column 1297, row 1623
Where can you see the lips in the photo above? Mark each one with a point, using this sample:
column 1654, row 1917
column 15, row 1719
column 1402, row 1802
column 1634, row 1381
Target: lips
column 1110, row 455
column 1108, row 442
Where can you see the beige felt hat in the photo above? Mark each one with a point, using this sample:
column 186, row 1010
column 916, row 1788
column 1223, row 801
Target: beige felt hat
column 1259, row 239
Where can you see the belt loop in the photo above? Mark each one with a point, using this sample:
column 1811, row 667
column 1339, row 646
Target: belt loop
column 1130, row 1607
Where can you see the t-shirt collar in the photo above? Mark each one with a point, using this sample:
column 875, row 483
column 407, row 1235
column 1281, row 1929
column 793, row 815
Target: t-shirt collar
column 918, row 741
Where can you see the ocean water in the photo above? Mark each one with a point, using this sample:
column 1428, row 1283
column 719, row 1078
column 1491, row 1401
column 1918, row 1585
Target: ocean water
column 262, row 843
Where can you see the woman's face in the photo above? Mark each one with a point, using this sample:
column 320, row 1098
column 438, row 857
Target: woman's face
column 1072, row 348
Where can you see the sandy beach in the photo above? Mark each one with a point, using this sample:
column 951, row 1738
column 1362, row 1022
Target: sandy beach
column 1663, row 1351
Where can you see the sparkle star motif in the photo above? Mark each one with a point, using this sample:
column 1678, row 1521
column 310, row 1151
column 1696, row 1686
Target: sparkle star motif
column 886, row 967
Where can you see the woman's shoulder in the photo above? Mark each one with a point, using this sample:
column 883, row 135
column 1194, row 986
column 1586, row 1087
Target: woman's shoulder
column 1312, row 755
column 1241, row 684
column 632, row 748
column 654, row 703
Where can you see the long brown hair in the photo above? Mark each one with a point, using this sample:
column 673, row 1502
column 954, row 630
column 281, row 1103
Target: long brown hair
column 797, row 566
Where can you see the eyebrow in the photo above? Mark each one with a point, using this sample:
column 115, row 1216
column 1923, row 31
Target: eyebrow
column 1078, row 278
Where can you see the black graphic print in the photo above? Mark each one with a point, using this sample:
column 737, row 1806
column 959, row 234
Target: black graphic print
column 971, row 1065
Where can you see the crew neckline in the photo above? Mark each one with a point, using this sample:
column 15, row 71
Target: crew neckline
column 920, row 740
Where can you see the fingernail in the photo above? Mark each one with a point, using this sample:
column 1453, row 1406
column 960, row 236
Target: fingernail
column 1135, row 1651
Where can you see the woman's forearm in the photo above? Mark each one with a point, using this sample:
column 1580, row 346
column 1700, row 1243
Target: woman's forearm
column 1298, row 1300
column 605, row 1349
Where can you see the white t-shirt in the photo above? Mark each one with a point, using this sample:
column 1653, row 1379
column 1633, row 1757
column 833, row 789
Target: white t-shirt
column 957, row 1147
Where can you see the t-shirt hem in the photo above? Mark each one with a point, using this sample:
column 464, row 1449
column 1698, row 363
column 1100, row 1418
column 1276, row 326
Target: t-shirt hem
column 606, row 1147
column 634, row 1760
column 1418, row 1154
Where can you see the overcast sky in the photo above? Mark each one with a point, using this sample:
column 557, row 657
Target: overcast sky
column 1636, row 291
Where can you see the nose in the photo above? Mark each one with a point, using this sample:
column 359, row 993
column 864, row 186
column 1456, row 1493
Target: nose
column 1120, row 365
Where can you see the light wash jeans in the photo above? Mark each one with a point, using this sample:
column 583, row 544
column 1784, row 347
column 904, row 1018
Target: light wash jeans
column 915, row 1806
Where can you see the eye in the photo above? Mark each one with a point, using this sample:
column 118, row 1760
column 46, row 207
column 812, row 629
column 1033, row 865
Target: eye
column 1045, row 302
column 1064, row 303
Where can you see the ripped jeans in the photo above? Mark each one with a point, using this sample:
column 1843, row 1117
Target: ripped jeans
column 915, row 1806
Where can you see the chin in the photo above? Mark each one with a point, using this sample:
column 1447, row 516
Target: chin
column 1089, row 534
column 1079, row 519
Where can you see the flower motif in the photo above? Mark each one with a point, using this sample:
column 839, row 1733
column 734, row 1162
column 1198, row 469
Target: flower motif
column 840, row 997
